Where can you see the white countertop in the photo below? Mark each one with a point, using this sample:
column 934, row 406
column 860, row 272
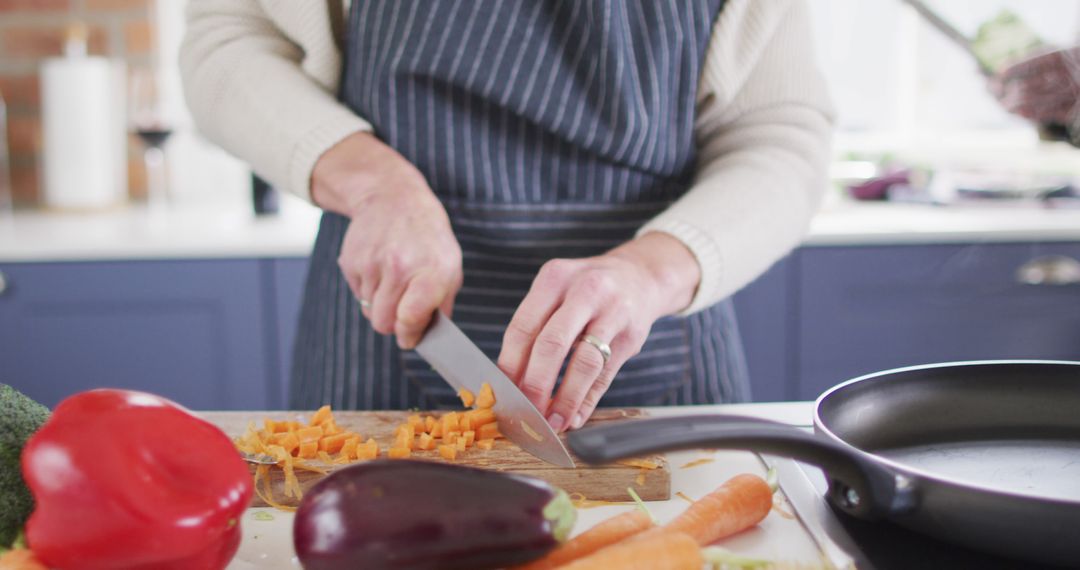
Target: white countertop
column 268, row 544
column 205, row 232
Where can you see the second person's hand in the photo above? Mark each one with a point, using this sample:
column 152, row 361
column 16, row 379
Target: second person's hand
column 399, row 255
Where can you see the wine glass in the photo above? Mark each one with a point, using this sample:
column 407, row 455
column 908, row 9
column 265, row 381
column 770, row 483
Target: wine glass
column 149, row 123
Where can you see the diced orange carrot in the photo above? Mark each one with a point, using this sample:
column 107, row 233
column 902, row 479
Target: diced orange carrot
column 367, row 450
column 308, row 434
column 450, row 422
column 308, row 449
column 470, row 437
column 448, row 452
column 270, row 425
column 489, row 431
column 348, row 449
column 481, row 417
column 465, row 423
column 398, row 453
column 404, row 439
column 451, row 438
column 467, row 397
column 330, row 427
column 486, row 399
column 429, row 423
column 416, row 422
column 333, row 443
column 459, row 443
column 426, row 442
column 485, row 444
column 436, row 430
column 321, row 415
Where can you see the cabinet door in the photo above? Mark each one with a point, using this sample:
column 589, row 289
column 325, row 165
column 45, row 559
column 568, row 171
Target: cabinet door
column 191, row 331
column 764, row 311
column 289, row 278
column 865, row 309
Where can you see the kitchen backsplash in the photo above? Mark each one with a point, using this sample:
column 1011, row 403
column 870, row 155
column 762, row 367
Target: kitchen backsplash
column 32, row 30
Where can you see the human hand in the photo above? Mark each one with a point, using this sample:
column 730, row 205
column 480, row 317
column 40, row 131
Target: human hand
column 615, row 297
column 399, row 255
column 1044, row 88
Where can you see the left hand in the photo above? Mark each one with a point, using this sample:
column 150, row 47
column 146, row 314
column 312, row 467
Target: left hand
column 615, row 297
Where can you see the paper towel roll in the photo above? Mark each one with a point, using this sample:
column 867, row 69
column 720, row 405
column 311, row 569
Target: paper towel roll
column 83, row 127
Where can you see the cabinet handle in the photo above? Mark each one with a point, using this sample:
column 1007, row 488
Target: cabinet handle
column 1049, row 270
column 3, row 283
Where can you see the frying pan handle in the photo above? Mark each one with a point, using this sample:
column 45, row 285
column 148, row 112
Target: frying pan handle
column 857, row 484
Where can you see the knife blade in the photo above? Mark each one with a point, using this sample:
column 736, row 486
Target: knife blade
column 463, row 365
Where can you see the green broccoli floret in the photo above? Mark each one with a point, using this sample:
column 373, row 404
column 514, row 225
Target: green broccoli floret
column 20, row 417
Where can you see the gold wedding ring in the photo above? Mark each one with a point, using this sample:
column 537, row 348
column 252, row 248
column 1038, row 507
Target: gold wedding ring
column 603, row 347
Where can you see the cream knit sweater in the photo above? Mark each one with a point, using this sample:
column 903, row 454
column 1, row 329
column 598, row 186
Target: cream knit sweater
column 260, row 78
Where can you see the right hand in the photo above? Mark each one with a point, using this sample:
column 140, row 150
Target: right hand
column 399, row 252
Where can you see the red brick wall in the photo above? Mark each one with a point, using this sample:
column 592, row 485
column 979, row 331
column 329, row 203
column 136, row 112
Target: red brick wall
column 31, row 30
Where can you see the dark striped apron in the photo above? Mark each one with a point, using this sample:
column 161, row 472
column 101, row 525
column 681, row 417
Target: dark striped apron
column 547, row 128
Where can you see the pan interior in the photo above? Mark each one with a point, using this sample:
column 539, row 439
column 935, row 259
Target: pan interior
column 1038, row 468
column 1012, row 427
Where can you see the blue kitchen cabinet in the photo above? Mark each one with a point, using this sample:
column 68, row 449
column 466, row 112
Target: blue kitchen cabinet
column 289, row 276
column 865, row 309
column 192, row 331
column 766, row 316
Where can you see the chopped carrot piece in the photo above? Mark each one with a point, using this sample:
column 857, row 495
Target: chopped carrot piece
column 481, row 417
column 429, row 423
column 426, row 442
column 330, row 427
column 271, row 425
column 294, row 426
column 459, row 443
column 404, row 439
column 450, row 422
column 451, row 438
column 467, row 397
column 308, row 449
column 448, row 452
column 333, row 443
column 485, row 444
column 309, row 434
column 486, row 399
column 321, row 415
column 470, row 437
column 398, row 453
column 489, row 431
column 436, row 430
column 348, row 449
column 416, row 422
column 465, row 423
column 324, row 457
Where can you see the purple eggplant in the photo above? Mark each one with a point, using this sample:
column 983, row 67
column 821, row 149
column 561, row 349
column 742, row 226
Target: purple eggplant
column 415, row 515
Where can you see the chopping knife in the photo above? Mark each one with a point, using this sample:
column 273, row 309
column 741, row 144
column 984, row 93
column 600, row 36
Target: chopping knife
column 950, row 32
column 463, row 365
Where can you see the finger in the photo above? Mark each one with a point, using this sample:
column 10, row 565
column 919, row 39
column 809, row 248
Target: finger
column 447, row 306
column 621, row 351
column 421, row 298
column 586, row 367
column 548, row 353
column 536, row 308
column 384, row 303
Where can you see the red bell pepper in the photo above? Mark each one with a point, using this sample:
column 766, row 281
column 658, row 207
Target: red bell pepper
column 130, row 480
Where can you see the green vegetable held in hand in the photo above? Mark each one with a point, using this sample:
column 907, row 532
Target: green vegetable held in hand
column 20, row 417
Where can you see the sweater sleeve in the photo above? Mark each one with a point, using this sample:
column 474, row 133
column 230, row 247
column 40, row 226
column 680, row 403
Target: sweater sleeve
column 262, row 95
column 763, row 128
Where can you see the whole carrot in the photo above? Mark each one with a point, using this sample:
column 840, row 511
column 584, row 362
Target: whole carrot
column 740, row 503
column 604, row 534
column 664, row 551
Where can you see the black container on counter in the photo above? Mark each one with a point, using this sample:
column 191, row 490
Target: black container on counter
column 264, row 197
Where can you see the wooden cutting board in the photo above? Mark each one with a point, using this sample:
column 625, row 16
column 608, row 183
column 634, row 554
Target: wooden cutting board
column 593, row 482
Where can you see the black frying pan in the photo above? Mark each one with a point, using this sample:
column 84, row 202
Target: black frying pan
column 983, row 454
